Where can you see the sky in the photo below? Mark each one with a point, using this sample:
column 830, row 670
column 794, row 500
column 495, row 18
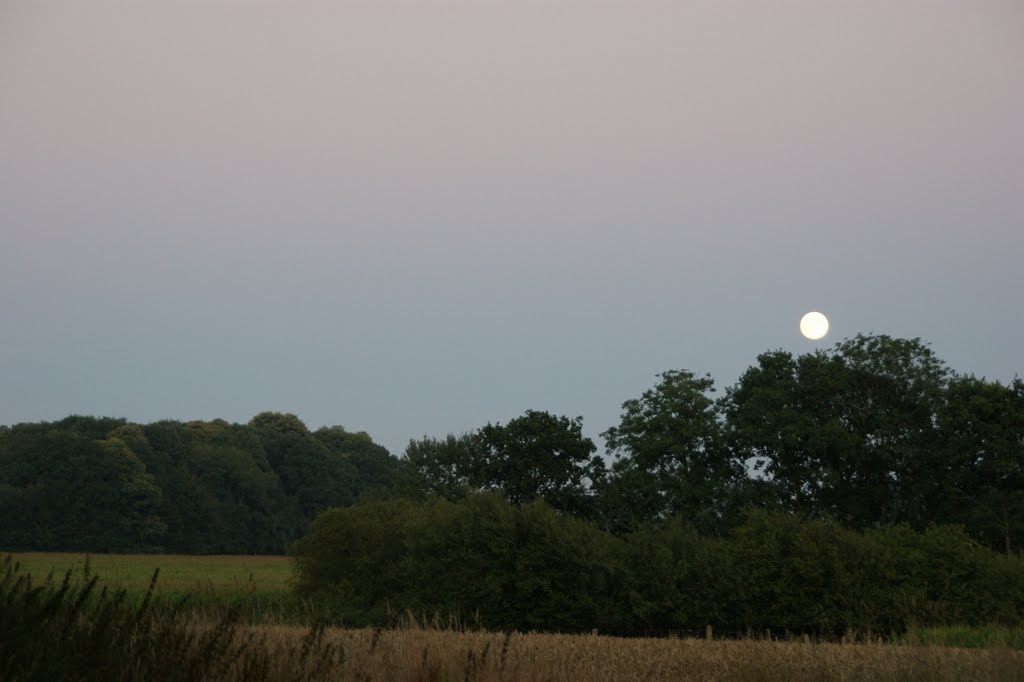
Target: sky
column 414, row 218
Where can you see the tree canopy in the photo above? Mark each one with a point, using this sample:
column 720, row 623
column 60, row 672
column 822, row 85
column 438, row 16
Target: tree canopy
column 871, row 433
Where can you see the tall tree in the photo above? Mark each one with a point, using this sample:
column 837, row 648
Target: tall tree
column 375, row 467
column 441, row 468
column 982, row 446
column 850, row 432
column 539, row 456
column 671, row 458
column 312, row 476
column 75, row 492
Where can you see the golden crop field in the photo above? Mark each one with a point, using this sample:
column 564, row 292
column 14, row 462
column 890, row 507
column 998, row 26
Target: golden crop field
column 414, row 654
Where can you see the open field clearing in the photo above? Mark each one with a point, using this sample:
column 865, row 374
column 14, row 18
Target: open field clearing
column 257, row 588
column 446, row 655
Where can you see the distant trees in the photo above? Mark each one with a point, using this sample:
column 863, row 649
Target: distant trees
column 850, row 433
column 878, row 431
column 441, row 467
column 94, row 494
column 535, row 456
column 540, row 456
column 872, row 433
column 105, row 485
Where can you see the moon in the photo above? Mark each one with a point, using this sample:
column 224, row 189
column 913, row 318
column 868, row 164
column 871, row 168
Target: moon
column 814, row 325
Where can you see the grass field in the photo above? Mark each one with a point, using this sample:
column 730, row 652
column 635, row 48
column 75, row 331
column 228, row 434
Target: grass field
column 258, row 587
column 178, row 573
column 977, row 637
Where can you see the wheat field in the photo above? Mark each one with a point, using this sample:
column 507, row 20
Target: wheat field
column 431, row 654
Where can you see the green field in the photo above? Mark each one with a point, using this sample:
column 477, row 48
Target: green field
column 258, row 586
column 178, row 573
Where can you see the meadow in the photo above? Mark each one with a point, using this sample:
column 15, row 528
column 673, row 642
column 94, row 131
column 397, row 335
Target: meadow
column 178, row 573
column 258, row 587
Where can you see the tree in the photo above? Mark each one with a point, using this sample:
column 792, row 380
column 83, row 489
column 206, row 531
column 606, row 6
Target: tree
column 441, row 468
column 60, row 489
column 310, row 474
column 981, row 430
column 535, row 456
column 376, row 469
column 671, row 457
column 539, row 456
column 850, row 433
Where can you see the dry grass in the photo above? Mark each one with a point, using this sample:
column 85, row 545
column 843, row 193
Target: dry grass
column 426, row 655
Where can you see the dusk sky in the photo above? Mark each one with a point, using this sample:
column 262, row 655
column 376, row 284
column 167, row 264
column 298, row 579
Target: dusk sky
column 412, row 218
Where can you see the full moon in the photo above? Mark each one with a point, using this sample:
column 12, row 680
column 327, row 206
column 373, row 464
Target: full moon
column 814, row 325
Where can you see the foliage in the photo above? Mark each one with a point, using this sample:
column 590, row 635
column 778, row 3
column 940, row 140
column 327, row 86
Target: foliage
column 672, row 458
column 845, row 433
column 538, row 456
column 69, row 630
column 517, row 566
column 103, row 485
column 441, row 468
column 981, row 460
column 530, row 567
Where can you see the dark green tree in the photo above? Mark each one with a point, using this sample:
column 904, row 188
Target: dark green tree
column 376, row 469
column 850, row 432
column 64, row 490
column 981, row 429
column 539, row 456
column 311, row 475
column 441, row 468
column 671, row 458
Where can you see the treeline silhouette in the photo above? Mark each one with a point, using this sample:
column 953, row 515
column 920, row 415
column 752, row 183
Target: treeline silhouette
column 869, row 434
column 202, row 487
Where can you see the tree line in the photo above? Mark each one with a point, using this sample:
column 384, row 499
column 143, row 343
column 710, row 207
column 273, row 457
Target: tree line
column 872, row 433
column 201, row 487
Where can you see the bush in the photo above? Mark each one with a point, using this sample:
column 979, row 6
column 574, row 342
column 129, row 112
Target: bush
column 531, row 568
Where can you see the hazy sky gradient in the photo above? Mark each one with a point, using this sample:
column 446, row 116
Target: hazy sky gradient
column 413, row 218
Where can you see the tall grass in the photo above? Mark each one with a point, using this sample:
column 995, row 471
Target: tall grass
column 976, row 637
column 74, row 630
column 256, row 588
